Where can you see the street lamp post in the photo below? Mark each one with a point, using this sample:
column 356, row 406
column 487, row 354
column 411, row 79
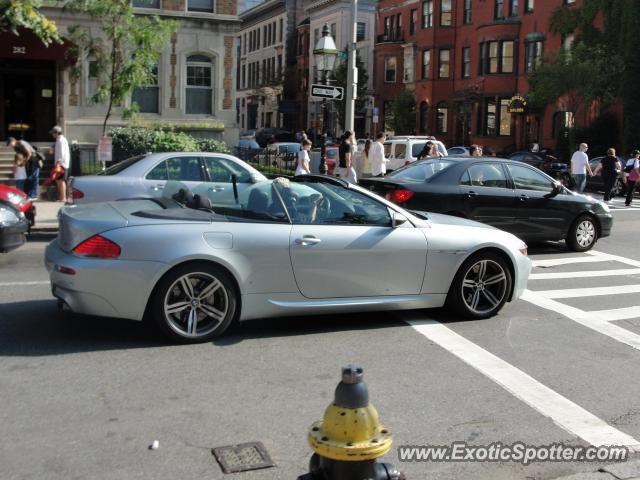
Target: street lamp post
column 325, row 55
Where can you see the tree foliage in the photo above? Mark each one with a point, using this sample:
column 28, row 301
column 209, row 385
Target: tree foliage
column 340, row 78
column 401, row 117
column 17, row 14
column 125, row 54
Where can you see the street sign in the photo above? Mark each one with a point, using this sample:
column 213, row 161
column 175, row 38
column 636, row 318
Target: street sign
column 327, row 91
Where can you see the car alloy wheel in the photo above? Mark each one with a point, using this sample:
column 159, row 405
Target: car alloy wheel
column 481, row 286
column 618, row 188
column 195, row 303
column 583, row 234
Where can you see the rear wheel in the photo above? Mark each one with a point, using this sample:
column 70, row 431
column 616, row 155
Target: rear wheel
column 194, row 303
column 582, row 234
column 618, row 188
column 481, row 286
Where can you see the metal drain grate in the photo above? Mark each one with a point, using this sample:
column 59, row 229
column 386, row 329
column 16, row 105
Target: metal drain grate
column 243, row 457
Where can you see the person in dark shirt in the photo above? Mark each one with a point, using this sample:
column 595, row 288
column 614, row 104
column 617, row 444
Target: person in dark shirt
column 609, row 166
column 345, row 159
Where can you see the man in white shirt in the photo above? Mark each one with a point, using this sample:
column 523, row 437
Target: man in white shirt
column 580, row 166
column 376, row 157
column 62, row 157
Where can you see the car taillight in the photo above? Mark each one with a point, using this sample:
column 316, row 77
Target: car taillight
column 98, row 247
column 399, row 196
column 77, row 194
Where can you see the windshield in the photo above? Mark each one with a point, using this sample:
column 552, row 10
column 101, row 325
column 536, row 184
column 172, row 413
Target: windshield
column 120, row 166
column 421, row 171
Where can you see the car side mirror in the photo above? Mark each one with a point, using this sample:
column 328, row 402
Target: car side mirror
column 557, row 189
column 397, row 219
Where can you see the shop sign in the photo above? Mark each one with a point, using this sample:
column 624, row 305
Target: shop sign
column 517, row 104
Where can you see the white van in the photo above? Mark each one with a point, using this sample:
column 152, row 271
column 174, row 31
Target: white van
column 402, row 150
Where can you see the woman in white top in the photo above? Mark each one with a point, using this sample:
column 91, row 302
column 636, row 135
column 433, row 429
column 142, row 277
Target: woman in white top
column 303, row 159
column 19, row 171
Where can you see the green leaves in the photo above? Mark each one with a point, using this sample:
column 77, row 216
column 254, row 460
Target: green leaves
column 402, row 118
column 16, row 14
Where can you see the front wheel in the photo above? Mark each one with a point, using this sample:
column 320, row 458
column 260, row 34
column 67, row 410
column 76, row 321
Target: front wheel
column 481, row 286
column 583, row 234
column 618, row 188
column 194, row 303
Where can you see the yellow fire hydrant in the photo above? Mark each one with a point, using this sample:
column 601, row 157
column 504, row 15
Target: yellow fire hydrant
column 350, row 438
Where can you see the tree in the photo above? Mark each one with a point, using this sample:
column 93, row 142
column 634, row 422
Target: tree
column 340, row 78
column 16, row 14
column 125, row 55
column 401, row 117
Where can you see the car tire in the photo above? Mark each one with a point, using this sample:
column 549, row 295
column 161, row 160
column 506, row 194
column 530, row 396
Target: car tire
column 195, row 303
column 618, row 188
column 481, row 286
column 583, row 234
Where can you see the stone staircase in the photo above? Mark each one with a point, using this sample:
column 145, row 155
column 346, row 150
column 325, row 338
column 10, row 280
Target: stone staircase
column 6, row 163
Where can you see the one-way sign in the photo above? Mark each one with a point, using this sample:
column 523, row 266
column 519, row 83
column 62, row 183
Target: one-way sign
column 326, row 91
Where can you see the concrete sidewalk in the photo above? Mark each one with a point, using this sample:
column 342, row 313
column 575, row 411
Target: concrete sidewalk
column 46, row 216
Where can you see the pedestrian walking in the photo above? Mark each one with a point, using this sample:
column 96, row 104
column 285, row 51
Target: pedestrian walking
column 19, row 171
column 609, row 166
column 633, row 170
column 365, row 163
column 376, row 157
column 475, row 150
column 303, row 159
column 580, row 166
column 61, row 160
column 345, row 156
column 34, row 161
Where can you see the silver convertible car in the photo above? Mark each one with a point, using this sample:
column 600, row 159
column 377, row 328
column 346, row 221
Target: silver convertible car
column 310, row 245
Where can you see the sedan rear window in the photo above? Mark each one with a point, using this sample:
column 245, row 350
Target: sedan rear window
column 120, row 166
column 422, row 171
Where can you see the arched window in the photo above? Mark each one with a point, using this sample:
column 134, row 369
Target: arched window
column 424, row 117
column 443, row 117
column 199, row 88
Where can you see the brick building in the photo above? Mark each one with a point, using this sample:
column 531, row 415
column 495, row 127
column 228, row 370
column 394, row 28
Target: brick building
column 466, row 62
column 194, row 83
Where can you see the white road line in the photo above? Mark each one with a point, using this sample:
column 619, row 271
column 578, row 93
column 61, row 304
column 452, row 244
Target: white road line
column 566, row 414
column 617, row 258
column 594, row 273
column 588, row 292
column 553, row 262
column 593, row 320
column 17, row 284
column 616, row 313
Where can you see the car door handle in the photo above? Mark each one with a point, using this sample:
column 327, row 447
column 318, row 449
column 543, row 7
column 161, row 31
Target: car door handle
column 157, row 187
column 472, row 194
column 523, row 198
column 308, row 240
column 216, row 189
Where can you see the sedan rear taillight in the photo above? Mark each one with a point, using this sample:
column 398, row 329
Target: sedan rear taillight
column 77, row 194
column 399, row 195
column 98, row 247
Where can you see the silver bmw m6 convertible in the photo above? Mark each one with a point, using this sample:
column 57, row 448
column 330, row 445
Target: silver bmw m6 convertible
column 310, row 245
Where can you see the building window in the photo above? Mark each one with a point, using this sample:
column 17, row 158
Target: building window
column 444, row 63
column 390, row 69
column 445, row 13
column 147, row 97
column 498, row 12
column 513, row 8
column 497, row 119
column 281, row 30
column 426, row 64
column 569, row 2
column 361, row 32
column 442, row 117
column 412, row 22
column 562, row 121
column 146, row 3
column 200, row 6
column 466, row 62
column 532, row 55
column 567, row 42
column 427, row 14
column 467, row 11
column 93, row 75
column 243, row 77
column 505, row 118
column 528, row 6
column 507, row 63
column 424, row 117
column 199, row 91
column 333, row 31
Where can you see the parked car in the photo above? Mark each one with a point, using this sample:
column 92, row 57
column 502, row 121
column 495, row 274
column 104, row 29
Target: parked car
column 146, row 176
column 402, row 150
column 547, row 163
column 596, row 182
column 459, row 151
column 247, row 149
column 17, row 215
column 312, row 245
column 265, row 135
column 280, row 154
column 506, row 194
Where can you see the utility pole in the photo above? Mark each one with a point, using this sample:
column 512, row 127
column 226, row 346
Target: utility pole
column 352, row 71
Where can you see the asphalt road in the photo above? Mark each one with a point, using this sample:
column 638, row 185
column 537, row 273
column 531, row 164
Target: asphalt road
column 84, row 397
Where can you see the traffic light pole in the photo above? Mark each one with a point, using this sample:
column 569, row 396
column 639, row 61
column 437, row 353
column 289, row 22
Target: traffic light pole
column 352, row 71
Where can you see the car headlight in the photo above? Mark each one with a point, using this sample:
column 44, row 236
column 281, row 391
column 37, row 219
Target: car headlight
column 14, row 198
column 7, row 216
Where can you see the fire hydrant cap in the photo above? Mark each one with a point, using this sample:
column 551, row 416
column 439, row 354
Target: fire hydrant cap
column 352, row 392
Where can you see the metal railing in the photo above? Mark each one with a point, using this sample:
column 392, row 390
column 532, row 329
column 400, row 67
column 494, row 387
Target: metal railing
column 270, row 162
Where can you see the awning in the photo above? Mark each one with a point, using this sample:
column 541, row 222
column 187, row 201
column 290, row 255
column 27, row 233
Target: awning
column 27, row 46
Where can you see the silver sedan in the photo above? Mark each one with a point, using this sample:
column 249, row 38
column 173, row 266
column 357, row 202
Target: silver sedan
column 146, row 175
column 310, row 245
